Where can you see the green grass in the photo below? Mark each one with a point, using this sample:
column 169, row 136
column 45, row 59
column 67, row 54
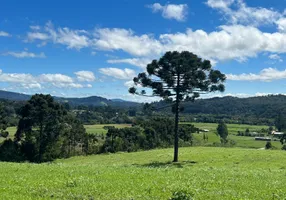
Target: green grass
column 232, row 128
column 241, row 141
column 207, row 172
column 98, row 128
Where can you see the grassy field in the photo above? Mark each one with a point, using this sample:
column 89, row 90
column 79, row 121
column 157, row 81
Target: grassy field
column 207, row 172
column 241, row 141
column 98, row 128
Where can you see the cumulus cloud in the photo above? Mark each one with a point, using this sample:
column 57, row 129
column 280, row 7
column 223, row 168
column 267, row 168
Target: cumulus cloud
column 24, row 54
column 228, row 42
column 55, row 78
column 4, row 34
column 267, row 75
column 171, row 11
column 231, row 42
column 72, row 39
column 126, row 73
column 281, row 23
column 220, row 4
column 126, row 40
column 29, row 81
column 85, row 76
column 138, row 62
column 236, row 11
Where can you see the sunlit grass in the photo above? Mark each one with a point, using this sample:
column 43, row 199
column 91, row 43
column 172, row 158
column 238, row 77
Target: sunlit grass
column 208, row 172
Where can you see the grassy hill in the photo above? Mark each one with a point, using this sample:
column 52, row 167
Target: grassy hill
column 206, row 172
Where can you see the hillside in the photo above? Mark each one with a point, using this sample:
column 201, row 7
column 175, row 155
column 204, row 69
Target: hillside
column 93, row 100
column 239, row 110
column 206, row 173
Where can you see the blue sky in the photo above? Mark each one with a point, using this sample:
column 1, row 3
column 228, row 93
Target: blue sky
column 75, row 49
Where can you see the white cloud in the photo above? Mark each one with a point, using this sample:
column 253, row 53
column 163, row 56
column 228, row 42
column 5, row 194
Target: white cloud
column 138, row 62
column 220, row 4
column 171, row 11
column 36, row 28
column 275, row 57
column 86, row 76
column 126, row 40
column 25, row 54
column 29, row 81
column 67, row 85
column 267, row 75
column 129, row 84
column 4, row 34
column 231, row 42
column 31, row 85
column 281, row 25
column 55, row 78
column 236, row 11
column 73, row 39
column 31, row 36
column 126, row 74
column 16, row 78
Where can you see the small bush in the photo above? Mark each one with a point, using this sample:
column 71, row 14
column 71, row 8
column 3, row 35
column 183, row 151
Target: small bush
column 182, row 195
column 284, row 147
column 268, row 145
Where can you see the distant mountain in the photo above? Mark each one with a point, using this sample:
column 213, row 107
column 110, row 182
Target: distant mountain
column 93, row 100
column 13, row 96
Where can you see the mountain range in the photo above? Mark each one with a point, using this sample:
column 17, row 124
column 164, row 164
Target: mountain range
column 93, row 100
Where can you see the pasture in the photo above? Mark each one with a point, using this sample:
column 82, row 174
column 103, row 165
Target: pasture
column 205, row 172
column 98, row 128
column 245, row 142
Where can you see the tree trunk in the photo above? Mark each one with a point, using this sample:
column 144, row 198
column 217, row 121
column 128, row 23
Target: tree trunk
column 176, row 140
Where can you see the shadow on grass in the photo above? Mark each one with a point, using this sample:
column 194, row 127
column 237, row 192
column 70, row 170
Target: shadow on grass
column 166, row 164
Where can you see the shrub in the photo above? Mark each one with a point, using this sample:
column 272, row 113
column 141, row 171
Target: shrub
column 182, row 195
column 284, row 147
column 268, row 145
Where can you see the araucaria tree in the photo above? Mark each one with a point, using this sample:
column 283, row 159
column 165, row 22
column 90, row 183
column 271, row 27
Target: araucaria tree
column 46, row 131
column 178, row 77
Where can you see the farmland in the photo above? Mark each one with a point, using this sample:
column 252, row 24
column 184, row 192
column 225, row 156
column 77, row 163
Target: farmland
column 206, row 172
column 98, row 128
column 245, row 142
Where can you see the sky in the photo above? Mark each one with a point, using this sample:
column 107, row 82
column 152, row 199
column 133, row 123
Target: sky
column 95, row 48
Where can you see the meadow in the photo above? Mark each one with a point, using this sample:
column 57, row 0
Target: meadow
column 98, row 128
column 204, row 172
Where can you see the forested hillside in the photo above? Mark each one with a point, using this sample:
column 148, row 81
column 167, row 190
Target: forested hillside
column 252, row 110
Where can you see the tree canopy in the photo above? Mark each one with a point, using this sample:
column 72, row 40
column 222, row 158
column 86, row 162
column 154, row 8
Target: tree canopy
column 46, row 131
column 178, row 77
column 222, row 131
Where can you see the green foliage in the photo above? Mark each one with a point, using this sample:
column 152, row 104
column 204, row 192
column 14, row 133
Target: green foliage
column 46, row 131
column 178, row 77
column 222, row 131
column 182, row 195
column 268, row 145
column 152, row 133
